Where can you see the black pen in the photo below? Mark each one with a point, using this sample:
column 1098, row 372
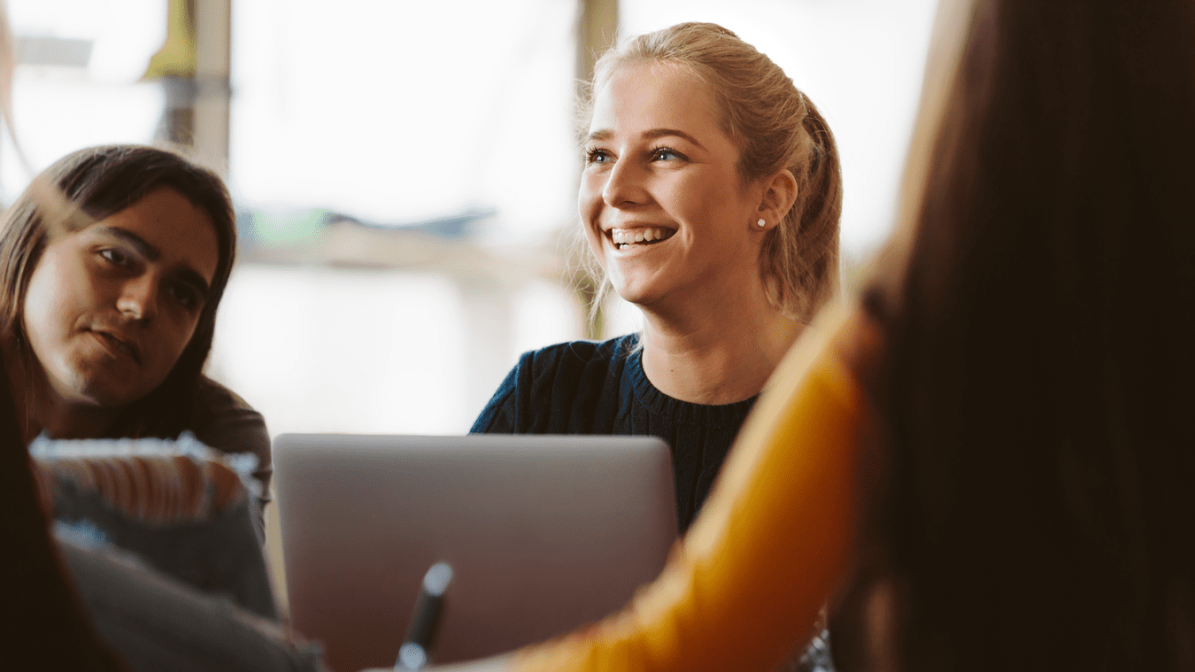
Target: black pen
column 412, row 655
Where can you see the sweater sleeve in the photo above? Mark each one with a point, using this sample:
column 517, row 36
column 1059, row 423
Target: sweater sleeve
column 229, row 424
column 745, row 586
column 500, row 415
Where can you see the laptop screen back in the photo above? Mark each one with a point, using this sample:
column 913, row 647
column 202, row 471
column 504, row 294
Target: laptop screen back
column 544, row 534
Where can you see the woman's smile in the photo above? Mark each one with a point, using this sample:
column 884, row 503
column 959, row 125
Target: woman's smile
column 625, row 239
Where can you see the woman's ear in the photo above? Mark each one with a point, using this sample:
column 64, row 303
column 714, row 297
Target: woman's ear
column 779, row 195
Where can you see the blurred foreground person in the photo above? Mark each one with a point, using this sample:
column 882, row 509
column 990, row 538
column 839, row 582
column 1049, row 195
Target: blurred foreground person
column 989, row 463
column 1027, row 485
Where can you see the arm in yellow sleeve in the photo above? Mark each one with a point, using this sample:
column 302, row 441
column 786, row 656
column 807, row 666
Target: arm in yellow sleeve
column 745, row 586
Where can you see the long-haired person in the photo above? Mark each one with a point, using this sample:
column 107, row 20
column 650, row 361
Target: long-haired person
column 107, row 310
column 710, row 198
column 991, row 458
column 1030, row 475
column 107, row 317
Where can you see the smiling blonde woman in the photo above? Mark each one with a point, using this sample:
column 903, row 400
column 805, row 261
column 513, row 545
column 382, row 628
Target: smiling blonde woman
column 710, row 199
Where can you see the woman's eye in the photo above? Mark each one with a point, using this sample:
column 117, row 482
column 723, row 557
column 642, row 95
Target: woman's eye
column 664, row 154
column 596, row 156
column 184, row 295
column 115, row 256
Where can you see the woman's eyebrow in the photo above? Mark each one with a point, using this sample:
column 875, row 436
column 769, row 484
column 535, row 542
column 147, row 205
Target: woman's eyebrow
column 149, row 251
column 662, row 132
column 144, row 248
column 598, row 136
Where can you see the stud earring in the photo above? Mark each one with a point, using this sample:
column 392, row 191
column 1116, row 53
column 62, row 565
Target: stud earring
column 761, row 223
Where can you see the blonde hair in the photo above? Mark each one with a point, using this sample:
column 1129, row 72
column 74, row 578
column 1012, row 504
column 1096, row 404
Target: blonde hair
column 775, row 126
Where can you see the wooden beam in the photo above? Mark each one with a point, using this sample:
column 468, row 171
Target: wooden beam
column 213, row 67
column 597, row 31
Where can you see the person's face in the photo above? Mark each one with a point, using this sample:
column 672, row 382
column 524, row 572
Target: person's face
column 111, row 307
column 661, row 199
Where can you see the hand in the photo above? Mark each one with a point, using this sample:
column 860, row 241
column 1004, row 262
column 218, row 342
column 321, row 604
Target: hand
column 494, row 664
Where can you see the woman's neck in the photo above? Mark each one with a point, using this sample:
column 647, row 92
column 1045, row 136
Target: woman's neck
column 716, row 354
column 41, row 409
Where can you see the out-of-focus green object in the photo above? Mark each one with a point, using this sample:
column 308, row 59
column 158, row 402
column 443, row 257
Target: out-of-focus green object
column 283, row 228
column 176, row 58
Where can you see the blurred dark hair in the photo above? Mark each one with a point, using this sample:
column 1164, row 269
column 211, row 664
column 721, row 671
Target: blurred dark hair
column 101, row 181
column 1028, row 496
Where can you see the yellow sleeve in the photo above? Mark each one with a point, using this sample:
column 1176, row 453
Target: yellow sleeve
column 745, row 586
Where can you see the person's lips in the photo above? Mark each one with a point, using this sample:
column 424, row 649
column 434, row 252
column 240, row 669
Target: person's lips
column 119, row 342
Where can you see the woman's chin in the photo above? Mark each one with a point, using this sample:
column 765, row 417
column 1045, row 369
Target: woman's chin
column 642, row 296
column 107, row 396
column 101, row 389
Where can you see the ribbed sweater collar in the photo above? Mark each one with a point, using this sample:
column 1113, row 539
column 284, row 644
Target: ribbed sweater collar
column 679, row 411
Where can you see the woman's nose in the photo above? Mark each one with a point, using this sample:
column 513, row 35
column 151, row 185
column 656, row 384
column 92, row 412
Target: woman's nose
column 138, row 298
column 625, row 185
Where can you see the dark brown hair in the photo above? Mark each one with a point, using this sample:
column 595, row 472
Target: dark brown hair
column 101, row 181
column 1028, row 498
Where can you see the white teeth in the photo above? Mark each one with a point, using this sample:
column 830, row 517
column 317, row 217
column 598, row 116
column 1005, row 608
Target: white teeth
column 624, row 237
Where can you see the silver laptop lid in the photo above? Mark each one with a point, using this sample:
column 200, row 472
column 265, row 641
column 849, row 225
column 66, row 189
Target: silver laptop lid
column 543, row 533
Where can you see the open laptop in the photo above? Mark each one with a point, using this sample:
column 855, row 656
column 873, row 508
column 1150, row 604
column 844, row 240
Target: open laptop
column 543, row 534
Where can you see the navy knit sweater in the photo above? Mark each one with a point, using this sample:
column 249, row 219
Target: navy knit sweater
column 600, row 388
